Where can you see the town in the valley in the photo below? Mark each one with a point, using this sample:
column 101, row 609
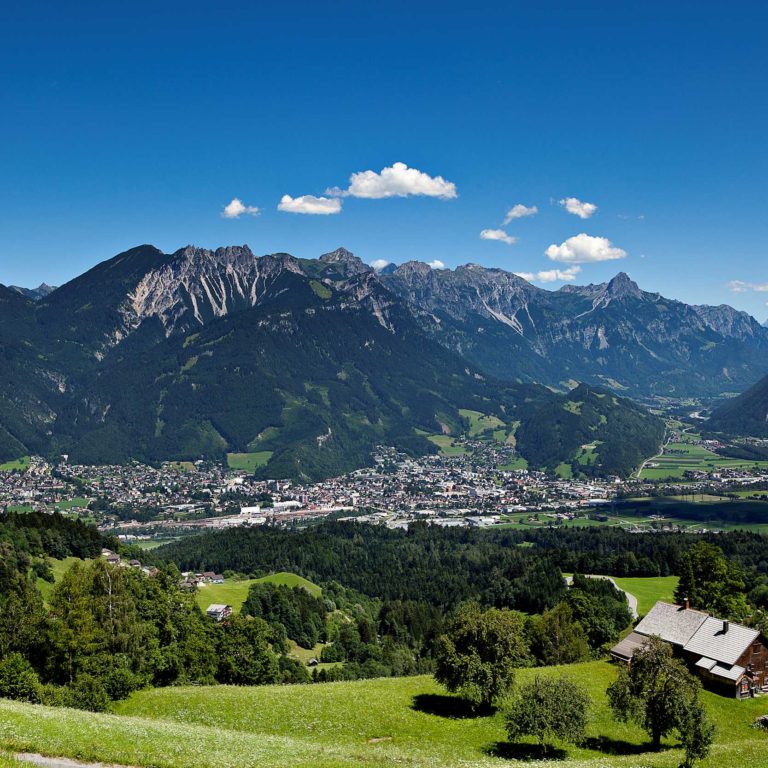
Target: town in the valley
column 483, row 485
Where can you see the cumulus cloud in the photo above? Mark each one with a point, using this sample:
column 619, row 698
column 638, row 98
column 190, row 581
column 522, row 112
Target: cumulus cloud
column 740, row 286
column 582, row 249
column 237, row 208
column 577, row 207
column 319, row 206
column 551, row 275
column 520, row 211
column 397, row 180
column 379, row 264
column 497, row 234
column 437, row 264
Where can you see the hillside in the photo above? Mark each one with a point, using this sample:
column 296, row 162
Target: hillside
column 234, row 592
column 308, row 364
column 746, row 414
column 377, row 722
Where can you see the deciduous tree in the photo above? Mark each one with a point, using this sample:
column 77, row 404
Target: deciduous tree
column 657, row 692
column 477, row 655
column 549, row 708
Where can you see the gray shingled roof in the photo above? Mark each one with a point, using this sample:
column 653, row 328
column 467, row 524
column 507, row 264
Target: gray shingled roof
column 732, row 673
column 672, row 623
column 625, row 649
column 725, row 647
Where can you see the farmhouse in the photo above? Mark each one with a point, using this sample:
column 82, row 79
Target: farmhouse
column 729, row 658
column 218, row 611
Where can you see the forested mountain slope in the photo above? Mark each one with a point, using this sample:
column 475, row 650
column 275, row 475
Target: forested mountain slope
column 746, row 414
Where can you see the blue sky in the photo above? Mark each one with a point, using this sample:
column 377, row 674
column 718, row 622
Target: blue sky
column 140, row 123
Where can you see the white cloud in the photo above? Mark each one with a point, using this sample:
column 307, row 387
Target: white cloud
column 236, row 209
column 582, row 249
column 379, row 264
column 437, row 264
column 520, row 211
column 551, row 275
column 498, row 234
column 397, row 180
column 740, row 286
column 320, row 206
column 577, row 207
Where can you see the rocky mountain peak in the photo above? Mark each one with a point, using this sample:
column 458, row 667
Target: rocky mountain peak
column 413, row 268
column 622, row 286
column 347, row 261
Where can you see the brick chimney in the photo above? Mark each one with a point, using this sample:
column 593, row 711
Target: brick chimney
column 726, row 626
column 686, row 603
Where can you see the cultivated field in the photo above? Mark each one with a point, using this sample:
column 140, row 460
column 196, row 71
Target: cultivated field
column 405, row 721
column 677, row 458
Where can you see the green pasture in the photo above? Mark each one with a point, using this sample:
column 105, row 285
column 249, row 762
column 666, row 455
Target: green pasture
column 234, row 592
column 21, row 464
column 248, row 462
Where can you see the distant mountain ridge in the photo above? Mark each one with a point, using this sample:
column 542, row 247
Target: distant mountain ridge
column 312, row 361
column 612, row 334
column 35, row 294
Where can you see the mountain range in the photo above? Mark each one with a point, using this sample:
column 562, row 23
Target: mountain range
column 614, row 334
column 313, row 361
column 310, row 362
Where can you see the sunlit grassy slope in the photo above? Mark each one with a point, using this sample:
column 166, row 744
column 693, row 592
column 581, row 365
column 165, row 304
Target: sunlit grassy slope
column 411, row 720
column 59, row 568
column 649, row 589
column 234, row 593
column 406, row 721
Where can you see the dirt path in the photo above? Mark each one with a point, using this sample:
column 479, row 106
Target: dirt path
column 58, row 762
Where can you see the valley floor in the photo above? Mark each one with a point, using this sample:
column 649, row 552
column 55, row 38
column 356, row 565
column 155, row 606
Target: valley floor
column 406, row 721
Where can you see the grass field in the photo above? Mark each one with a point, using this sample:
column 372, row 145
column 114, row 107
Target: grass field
column 153, row 543
column 405, row 721
column 69, row 504
column 234, row 593
column 648, row 590
column 248, row 462
column 21, row 464
column 447, row 445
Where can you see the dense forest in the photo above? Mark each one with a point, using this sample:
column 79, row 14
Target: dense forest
column 439, row 566
column 510, row 567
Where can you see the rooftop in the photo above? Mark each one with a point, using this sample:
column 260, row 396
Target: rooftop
column 671, row 623
column 715, row 642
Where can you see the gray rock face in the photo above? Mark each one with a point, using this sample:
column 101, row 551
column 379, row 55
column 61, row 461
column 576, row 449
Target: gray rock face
column 197, row 285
